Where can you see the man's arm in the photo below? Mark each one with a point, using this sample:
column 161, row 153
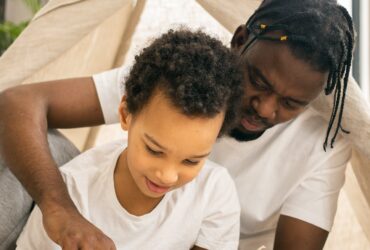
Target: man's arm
column 292, row 234
column 26, row 113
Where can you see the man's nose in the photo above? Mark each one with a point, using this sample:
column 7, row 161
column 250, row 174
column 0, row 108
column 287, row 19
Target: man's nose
column 266, row 106
column 167, row 175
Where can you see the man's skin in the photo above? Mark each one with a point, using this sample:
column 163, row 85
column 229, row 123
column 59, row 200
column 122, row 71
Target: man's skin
column 27, row 111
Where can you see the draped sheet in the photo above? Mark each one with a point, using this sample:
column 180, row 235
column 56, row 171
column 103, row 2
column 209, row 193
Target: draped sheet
column 71, row 38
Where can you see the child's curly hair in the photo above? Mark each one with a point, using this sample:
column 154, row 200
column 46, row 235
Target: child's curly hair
column 198, row 74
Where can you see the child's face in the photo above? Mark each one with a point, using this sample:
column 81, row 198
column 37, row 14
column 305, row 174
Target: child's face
column 166, row 149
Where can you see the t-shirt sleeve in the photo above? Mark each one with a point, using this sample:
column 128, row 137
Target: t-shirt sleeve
column 34, row 235
column 220, row 227
column 315, row 199
column 110, row 88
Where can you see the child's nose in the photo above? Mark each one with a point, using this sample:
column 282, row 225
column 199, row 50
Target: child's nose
column 168, row 176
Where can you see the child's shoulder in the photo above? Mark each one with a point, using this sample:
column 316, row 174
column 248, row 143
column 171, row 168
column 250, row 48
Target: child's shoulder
column 213, row 176
column 94, row 160
column 211, row 189
column 213, row 168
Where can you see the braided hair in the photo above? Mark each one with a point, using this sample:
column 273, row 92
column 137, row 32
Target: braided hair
column 318, row 32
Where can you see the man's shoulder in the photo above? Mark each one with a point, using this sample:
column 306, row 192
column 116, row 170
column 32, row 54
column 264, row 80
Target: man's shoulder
column 312, row 128
column 300, row 140
column 310, row 122
column 308, row 130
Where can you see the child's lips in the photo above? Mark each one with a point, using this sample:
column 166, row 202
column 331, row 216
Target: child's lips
column 156, row 188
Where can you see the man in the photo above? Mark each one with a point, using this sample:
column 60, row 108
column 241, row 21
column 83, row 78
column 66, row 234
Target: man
column 288, row 185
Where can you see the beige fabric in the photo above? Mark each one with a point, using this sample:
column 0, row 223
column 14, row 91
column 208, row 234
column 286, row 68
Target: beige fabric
column 356, row 117
column 119, row 59
column 230, row 13
column 71, row 45
column 68, row 27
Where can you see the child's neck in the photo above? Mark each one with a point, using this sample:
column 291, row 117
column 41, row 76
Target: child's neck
column 128, row 193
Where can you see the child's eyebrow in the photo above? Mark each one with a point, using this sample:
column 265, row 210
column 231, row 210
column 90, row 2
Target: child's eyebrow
column 154, row 141
column 200, row 156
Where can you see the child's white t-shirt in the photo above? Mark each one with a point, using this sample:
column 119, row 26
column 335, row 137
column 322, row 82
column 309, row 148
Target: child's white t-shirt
column 285, row 171
column 205, row 212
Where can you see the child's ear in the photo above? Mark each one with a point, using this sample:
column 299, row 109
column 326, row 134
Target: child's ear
column 124, row 116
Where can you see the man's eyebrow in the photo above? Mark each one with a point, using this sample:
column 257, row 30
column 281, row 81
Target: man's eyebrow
column 151, row 139
column 255, row 72
column 300, row 102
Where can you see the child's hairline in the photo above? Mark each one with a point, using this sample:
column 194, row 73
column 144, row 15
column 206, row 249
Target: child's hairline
column 159, row 89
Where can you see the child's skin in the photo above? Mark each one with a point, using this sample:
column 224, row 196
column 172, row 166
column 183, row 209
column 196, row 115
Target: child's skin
column 166, row 149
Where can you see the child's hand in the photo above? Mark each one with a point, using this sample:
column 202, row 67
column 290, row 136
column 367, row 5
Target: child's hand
column 72, row 232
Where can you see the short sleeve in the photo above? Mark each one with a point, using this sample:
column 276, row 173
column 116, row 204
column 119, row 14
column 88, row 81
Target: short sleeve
column 220, row 227
column 315, row 199
column 110, row 88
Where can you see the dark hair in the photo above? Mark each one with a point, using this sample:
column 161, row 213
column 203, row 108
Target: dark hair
column 319, row 32
column 198, row 74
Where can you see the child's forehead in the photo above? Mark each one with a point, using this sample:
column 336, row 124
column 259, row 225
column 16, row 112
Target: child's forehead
column 162, row 118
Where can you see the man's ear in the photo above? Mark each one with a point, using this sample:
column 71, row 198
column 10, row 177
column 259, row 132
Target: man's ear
column 240, row 37
column 124, row 116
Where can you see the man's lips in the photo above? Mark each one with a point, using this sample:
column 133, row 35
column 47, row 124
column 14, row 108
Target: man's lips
column 156, row 188
column 251, row 125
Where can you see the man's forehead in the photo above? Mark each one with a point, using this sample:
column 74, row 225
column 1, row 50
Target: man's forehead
column 291, row 77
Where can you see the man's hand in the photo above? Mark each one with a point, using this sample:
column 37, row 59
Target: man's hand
column 72, row 232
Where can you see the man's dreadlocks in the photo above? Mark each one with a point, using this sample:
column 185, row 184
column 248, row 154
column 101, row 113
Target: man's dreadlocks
column 318, row 32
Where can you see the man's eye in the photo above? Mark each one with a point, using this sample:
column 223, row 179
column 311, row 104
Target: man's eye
column 257, row 85
column 289, row 104
column 190, row 162
column 152, row 151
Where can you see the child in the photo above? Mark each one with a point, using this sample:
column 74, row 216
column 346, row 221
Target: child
column 158, row 191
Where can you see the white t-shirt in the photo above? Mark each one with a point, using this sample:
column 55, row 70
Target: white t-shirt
column 285, row 171
column 205, row 212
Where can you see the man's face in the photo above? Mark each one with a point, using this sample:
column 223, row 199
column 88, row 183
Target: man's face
column 167, row 149
column 278, row 87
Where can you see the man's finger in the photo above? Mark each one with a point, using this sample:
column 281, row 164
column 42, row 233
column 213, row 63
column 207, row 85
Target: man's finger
column 69, row 245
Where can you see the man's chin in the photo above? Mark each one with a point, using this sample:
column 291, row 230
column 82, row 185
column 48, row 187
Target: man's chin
column 241, row 134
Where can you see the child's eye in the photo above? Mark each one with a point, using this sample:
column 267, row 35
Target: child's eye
column 152, row 151
column 190, row 162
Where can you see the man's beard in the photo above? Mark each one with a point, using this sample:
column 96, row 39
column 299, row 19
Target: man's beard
column 239, row 135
